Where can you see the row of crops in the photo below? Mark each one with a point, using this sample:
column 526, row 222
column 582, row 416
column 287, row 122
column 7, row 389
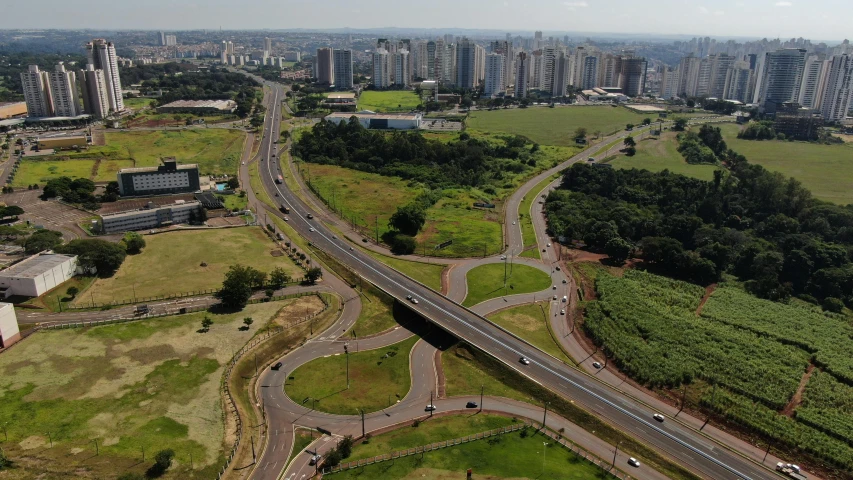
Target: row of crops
column 756, row 350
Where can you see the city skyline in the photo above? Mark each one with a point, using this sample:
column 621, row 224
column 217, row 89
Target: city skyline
column 722, row 18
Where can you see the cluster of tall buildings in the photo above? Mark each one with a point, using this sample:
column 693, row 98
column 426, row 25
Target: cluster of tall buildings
column 94, row 90
column 167, row 40
column 815, row 81
column 500, row 68
column 333, row 66
column 229, row 56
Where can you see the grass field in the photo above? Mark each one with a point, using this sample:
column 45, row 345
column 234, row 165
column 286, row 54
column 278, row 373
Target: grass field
column 529, row 323
column 826, row 170
column 379, row 313
column 152, row 384
column 509, row 456
column 465, row 374
column 553, row 126
column 487, row 281
column 474, row 232
column 236, row 201
column 427, row 273
column 388, row 101
column 375, row 377
column 171, row 263
column 137, row 103
column 435, row 429
column 215, row 150
column 660, row 154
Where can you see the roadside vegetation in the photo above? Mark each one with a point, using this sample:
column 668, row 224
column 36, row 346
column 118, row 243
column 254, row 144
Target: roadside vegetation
column 530, row 322
column 499, row 279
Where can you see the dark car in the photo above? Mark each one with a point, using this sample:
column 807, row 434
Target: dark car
column 471, row 405
column 276, row 366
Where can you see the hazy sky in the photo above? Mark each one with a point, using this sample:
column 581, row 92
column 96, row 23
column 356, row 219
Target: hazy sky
column 814, row 19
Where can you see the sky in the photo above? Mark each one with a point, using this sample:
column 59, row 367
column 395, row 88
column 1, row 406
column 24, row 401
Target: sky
column 813, row 19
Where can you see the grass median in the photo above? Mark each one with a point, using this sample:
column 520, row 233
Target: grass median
column 529, row 323
column 376, row 377
column 494, row 280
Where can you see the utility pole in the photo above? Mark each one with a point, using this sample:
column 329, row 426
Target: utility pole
column 376, row 220
column 544, row 415
column 614, row 455
column 482, row 387
column 683, row 399
column 544, row 444
column 254, row 458
column 431, row 406
column 143, row 453
column 766, row 452
column 346, row 354
column 50, row 437
column 362, row 423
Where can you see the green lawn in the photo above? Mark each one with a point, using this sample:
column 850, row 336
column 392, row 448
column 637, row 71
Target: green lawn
column 474, row 232
column 137, row 103
column 152, row 384
column 487, row 281
column 660, row 154
column 236, row 201
column 508, row 456
column 826, row 170
column 427, row 273
column 436, row 429
column 379, row 312
column 388, row 101
column 553, row 126
column 41, row 169
column 171, row 263
column 376, row 376
column 465, row 373
column 529, row 323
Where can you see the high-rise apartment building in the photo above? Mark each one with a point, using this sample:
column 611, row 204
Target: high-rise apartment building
column 401, row 75
column 324, row 66
column 504, row 47
column 815, row 73
column 522, row 75
column 782, row 78
column 93, row 85
column 37, row 92
column 267, row 44
column 64, row 93
column 466, row 64
column 102, row 55
column 494, row 81
column 381, row 70
column 588, row 72
column 537, row 40
column 720, row 64
column 562, row 73
column 739, row 83
column 171, row 40
column 343, row 68
column 688, row 75
column 839, row 89
column 669, row 83
column 632, row 76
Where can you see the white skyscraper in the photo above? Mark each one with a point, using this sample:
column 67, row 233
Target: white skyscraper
column 815, row 74
column 94, row 88
column 343, row 68
column 522, row 75
column 401, row 67
column 63, row 92
column 588, row 72
column 839, row 89
column 495, row 75
column 37, row 92
column 267, row 44
column 102, row 55
column 381, row 70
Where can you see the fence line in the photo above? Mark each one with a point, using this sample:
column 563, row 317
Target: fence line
column 229, row 399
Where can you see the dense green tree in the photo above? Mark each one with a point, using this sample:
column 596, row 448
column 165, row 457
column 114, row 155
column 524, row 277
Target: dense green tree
column 278, row 278
column 42, row 240
column 313, row 274
column 104, row 256
column 629, row 142
column 233, row 183
column 133, row 242
column 72, row 291
column 408, row 219
column 617, row 249
column 679, row 124
column 237, row 287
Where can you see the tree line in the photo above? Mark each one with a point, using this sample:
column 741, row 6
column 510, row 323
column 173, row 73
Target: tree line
column 764, row 228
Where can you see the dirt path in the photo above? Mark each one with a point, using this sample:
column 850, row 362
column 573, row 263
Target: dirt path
column 788, row 411
column 708, row 291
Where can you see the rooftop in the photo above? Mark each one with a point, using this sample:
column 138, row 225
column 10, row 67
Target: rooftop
column 341, row 95
column 217, row 104
column 35, row 265
column 130, row 213
column 381, row 116
column 188, row 166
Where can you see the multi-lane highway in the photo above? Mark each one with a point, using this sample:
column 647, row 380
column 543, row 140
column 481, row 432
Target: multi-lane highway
column 679, row 442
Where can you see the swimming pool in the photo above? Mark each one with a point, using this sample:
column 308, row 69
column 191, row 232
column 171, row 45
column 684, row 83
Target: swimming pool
column 220, row 187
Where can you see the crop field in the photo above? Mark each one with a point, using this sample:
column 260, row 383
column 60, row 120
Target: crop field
column 487, row 281
column 648, row 325
column 172, row 262
column 826, row 170
column 388, row 101
column 660, row 154
column 553, row 126
column 149, row 384
column 376, row 377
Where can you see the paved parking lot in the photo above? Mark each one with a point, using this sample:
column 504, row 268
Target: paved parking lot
column 50, row 214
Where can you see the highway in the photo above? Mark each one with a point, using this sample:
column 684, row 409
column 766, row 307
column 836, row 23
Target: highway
column 681, row 443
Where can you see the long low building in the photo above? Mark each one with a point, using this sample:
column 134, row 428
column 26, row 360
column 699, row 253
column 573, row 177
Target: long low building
column 9, row 331
column 168, row 178
column 37, row 274
column 13, row 109
column 147, row 218
column 380, row 120
column 199, row 106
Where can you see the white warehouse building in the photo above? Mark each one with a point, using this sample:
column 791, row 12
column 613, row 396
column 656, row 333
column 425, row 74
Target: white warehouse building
column 9, row 331
column 385, row 121
column 38, row 274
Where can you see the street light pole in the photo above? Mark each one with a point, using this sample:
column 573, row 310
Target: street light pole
column 614, row 455
column 544, row 444
column 431, row 407
column 544, row 415
column 482, row 387
column 346, row 353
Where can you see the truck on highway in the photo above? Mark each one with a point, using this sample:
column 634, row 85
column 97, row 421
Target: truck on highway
column 790, row 470
column 279, row 180
column 284, row 209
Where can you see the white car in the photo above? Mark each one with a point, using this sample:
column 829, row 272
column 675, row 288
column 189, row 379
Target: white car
column 596, row 365
column 429, row 408
column 286, row 219
column 634, row 462
column 524, row 361
column 513, row 223
column 503, row 257
column 415, row 301
column 658, row 417
column 549, row 244
column 554, row 287
column 555, row 297
column 562, row 312
column 242, row 163
column 311, row 229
